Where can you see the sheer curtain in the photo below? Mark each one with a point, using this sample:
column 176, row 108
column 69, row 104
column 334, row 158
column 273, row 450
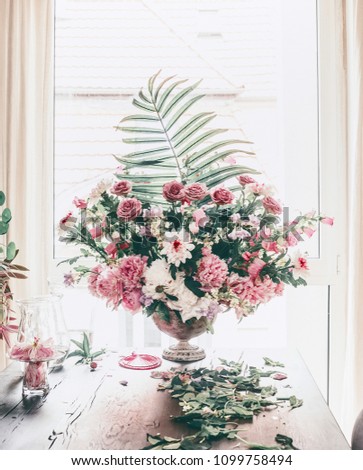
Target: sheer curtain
column 26, row 126
column 352, row 401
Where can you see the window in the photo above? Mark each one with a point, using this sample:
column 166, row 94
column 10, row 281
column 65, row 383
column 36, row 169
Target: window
column 259, row 65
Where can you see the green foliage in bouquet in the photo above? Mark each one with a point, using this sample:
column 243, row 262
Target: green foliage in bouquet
column 175, row 147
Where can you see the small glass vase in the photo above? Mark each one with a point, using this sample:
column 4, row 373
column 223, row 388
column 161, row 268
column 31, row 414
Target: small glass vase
column 42, row 317
column 35, row 381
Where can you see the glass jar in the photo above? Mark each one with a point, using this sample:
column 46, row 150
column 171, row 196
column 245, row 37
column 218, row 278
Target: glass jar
column 42, row 317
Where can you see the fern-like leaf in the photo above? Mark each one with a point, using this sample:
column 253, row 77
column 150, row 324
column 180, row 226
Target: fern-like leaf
column 171, row 145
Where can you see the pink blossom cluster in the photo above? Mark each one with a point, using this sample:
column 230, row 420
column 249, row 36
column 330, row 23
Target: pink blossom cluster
column 254, row 290
column 212, row 272
column 120, row 283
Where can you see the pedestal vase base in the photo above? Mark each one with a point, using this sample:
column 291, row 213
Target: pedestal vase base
column 183, row 352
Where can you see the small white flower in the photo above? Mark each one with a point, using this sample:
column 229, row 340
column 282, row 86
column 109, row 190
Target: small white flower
column 95, row 194
column 300, row 263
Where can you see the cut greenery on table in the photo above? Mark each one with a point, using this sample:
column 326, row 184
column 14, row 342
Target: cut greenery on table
column 84, row 351
column 214, row 402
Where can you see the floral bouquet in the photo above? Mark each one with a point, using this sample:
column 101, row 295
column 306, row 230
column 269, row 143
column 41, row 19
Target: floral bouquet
column 184, row 229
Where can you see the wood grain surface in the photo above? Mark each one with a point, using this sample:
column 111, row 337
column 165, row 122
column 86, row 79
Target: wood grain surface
column 93, row 410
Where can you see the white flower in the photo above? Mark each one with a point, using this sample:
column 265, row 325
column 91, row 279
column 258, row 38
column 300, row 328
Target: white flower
column 300, row 263
column 95, row 194
column 177, row 251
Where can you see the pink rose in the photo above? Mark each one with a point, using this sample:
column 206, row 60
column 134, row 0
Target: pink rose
column 95, row 232
column 200, row 217
column 245, row 179
column 131, row 300
column 327, row 220
column 173, row 191
column 129, row 209
column 196, row 191
column 271, row 205
column 222, row 196
column 79, row 203
column 121, row 188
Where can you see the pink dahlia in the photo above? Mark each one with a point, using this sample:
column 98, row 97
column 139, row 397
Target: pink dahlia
column 132, row 270
column 212, row 272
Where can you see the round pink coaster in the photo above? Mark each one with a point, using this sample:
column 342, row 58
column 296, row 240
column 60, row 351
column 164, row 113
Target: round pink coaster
column 140, row 361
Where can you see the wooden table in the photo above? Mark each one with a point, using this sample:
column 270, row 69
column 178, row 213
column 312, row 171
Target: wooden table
column 93, row 410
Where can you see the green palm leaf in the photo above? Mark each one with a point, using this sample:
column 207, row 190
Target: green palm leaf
column 171, row 144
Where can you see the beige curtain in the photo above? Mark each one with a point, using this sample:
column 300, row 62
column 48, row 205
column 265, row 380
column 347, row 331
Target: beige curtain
column 352, row 401
column 26, row 126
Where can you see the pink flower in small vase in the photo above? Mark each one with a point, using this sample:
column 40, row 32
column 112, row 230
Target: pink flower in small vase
column 41, row 351
column 132, row 270
column 131, row 300
column 245, row 179
column 196, row 191
column 80, row 203
column 173, row 191
column 271, row 205
column 212, row 272
column 222, row 196
column 327, row 220
column 121, row 188
column 35, row 375
column 255, row 268
column 95, row 232
column 129, row 209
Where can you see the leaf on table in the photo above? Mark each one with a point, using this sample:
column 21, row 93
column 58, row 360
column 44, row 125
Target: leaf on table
column 270, row 362
column 295, row 402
